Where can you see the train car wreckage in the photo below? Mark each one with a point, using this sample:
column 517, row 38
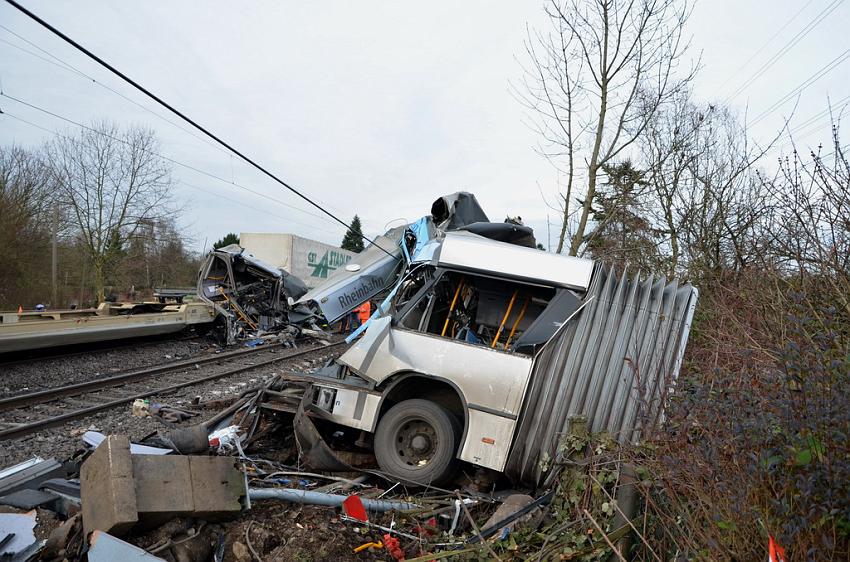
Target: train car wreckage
column 249, row 296
column 483, row 350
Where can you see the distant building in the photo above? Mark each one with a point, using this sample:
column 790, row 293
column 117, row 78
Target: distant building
column 307, row 259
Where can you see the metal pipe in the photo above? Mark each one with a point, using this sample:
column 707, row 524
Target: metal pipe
column 318, row 498
column 517, row 321
column 452, row 306
column 505, row 319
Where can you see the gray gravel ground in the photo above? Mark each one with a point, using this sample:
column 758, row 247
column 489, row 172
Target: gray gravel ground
column 61, row 442
column 37, row 374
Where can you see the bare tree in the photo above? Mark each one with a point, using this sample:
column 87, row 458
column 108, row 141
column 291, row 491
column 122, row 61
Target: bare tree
column 111, row 182
column 811, row 215
column 595, row 81
column 708, row 202
column 25, row 202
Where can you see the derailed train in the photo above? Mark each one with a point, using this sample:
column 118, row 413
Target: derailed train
column 484, row 349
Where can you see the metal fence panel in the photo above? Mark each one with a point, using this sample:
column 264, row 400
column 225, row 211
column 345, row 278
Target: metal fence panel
column 614, row 363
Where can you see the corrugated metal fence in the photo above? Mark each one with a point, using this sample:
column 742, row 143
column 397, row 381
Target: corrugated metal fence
column 614, row 363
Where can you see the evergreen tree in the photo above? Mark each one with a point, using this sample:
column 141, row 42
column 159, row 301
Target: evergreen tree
column 623, row 235
column 230, row 238
column 353, row 239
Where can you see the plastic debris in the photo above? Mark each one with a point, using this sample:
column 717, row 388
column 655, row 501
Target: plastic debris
column 141, row 408
column 353, row 507
column 21, row 527
column 393, row 547
column 375, row 545
column 226, row 439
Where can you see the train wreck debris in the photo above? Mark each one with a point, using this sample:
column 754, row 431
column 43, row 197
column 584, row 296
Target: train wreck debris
column 481, row 338
column 250, row 296
column 483, row 357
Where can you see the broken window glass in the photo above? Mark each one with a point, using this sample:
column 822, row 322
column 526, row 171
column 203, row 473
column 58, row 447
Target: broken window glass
column 472, row 308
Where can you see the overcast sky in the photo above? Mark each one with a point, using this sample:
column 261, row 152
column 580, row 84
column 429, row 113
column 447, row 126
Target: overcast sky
column 374, row 108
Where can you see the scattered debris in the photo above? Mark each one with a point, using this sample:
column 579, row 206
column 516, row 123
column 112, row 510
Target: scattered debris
column 29, row 474
column 16, row 533
column 95, row 438
column 477, row 338
column 250, row 296
column 103, row 547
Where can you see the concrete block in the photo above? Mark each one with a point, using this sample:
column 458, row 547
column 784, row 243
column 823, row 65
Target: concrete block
column 217, row 486
column 107, row 488
column 120, row 490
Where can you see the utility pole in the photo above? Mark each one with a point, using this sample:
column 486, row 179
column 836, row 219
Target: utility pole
column 548, row 234
column 53, row 300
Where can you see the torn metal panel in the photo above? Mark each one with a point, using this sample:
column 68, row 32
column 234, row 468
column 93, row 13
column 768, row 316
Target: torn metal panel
column 249, row 293
column 367, row 274
column 614, row 363
column 103, row 547
column 469, row 252
column 21, row 528
column 29, row 474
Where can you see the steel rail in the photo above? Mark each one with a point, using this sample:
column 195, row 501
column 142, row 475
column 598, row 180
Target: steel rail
column 18, row 357
column 26, row 429
column 42, row 396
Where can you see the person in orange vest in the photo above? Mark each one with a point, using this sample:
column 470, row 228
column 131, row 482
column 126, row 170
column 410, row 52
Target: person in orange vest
column 364, row 311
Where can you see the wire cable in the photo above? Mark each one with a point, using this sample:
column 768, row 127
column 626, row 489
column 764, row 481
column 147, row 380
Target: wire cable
column 66, row 66
column 74, row 70
column 805, row 84
column 182, row 116
column 206, row 191
column 785, row 48
column 764, row 45
column 172, row 160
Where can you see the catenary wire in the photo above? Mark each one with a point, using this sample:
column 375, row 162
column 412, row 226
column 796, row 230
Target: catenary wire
column 172, row 160
column 764, row 45
column 64, row 65
column 184, row 117
column 206, row 191
column 58, row 62
column 823, row 71
column 785, row 48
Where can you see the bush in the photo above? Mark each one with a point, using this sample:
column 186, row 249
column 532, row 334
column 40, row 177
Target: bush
column 752, row 451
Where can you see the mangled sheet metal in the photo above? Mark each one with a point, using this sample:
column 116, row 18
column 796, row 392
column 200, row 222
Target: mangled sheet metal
column 367, row 274
column 614, row 363
column 378, row 267
column 251, row 295
column 500, row 342
column 465, row 251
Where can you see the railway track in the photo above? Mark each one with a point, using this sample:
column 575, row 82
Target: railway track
column 76, row 401
column 13, row 358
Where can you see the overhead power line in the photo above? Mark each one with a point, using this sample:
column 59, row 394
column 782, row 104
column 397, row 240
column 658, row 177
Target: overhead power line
column 805, row 84
column 181, row 115
column 823, row 14
column 764, row 45
column 66, row 66
column 58, row 62
column 172, row 160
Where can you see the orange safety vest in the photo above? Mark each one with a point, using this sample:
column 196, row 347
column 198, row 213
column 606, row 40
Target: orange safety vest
column 364, row 311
